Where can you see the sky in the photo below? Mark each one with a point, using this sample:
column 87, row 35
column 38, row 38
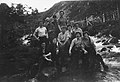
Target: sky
column 41, row 5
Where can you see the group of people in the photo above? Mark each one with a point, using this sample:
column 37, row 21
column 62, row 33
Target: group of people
column 68, row 44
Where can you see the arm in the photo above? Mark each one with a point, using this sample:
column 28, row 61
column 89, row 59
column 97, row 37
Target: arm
column 83, row 47
column 92, row 42
column 85, row 51
column 71, row 46
column 34, row 34
column 65, row 41
column 59, row 39
column 81, row 31
column 66, row 21
column 59, row 27
column 58, row 22
column 66, row 35
column 46, row 33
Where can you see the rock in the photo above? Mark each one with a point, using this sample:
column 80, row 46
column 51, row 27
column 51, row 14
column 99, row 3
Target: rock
column 4, row 79
column 114, row 40
column 103, row 49
column 115, row 49
column 118, row 59
column 105, row 54
column 64, row 69
column 33, row 80
column 99, row 35
column 49, row 71
column 98, row 41
column 103, row 40
column 74, row 79
column 106, row 43
column 117, row 45
column 110, row 46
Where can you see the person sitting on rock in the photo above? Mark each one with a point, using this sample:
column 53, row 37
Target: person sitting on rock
column 42, row 59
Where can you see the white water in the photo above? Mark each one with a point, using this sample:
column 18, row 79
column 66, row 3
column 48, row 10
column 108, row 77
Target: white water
column 99, row 45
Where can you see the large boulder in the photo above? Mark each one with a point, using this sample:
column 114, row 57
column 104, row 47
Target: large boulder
column 114, row 40
column 115, row 32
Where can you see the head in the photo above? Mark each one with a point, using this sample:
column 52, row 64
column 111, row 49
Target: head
column 40, row 23
column 86, row 34
column 47, row 21
column 43, row 45
column 78, row 34
column 76, row 25
column 54, row 17
column 54, row 41
column 69, row 27
column 61, row 13
column 63, row 29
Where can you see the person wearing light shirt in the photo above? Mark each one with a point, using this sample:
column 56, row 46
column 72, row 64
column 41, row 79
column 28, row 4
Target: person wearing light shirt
column 78, row 29
column 41, row 33
column 69, row 31
column 63, row 47
column 76, row 49
column 62, row 37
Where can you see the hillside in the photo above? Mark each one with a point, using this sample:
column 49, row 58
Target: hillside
column 100, row 14
column 94, row 16
column 76, row 10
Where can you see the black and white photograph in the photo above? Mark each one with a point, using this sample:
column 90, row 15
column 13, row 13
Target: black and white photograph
column 59, row 40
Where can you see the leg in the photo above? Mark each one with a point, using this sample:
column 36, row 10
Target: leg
column 99, row 58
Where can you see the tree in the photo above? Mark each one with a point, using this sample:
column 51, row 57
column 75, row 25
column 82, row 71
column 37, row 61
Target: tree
column 4, row 15
column 8, row 18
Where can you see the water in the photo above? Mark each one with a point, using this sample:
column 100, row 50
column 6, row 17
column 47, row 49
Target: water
column 113, row 62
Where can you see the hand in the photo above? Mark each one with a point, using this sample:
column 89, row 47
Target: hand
column 70, row 53
column 57, row 51
column 61, row 44
column 85, row 52
column 37, row 39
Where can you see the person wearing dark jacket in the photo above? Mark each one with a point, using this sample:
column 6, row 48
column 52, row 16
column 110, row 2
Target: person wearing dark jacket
column 55, row 24
column 42, row 62
column 91, row 57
